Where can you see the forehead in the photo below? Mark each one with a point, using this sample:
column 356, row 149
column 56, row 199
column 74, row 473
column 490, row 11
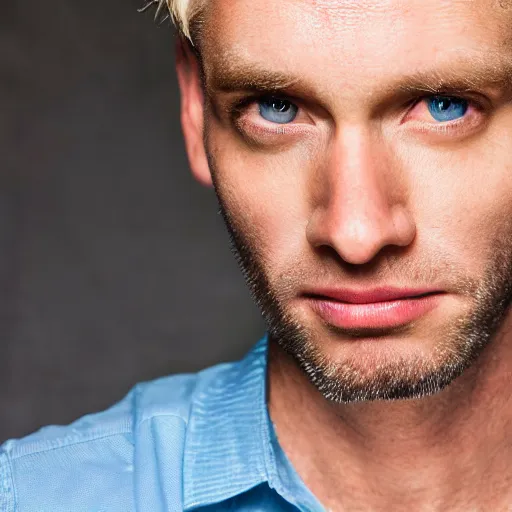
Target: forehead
column 341, row 38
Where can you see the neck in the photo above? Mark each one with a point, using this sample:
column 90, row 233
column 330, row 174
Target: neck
column 450, row 451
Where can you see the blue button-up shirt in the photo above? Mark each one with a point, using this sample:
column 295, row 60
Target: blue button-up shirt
column 201, row 442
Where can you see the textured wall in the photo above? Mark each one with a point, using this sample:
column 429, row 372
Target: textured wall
column 114, row 264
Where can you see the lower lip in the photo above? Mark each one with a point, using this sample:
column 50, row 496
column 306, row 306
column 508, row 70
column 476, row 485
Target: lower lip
column 374, row 315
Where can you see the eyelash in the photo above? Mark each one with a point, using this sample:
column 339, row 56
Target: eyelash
column 241, row 106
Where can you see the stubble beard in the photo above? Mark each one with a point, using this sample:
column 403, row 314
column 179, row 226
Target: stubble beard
column 402, row 378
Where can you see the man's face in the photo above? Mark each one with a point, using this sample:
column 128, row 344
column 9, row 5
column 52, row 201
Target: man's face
column 358, row 145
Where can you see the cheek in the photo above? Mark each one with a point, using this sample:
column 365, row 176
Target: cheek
column 266, row 194
column 462, row 198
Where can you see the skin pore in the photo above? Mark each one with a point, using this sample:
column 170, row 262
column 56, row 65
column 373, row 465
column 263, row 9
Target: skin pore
column 364, row 188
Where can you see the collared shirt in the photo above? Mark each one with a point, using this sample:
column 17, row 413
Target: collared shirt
column 201, row 442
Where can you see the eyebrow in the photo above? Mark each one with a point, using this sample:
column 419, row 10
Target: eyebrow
column 232, row 73
column 239, row 75
column 462, row 75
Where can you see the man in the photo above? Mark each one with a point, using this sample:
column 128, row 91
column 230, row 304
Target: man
column 361, row 155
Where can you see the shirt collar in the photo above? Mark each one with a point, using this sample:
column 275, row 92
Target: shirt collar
column 227, row 448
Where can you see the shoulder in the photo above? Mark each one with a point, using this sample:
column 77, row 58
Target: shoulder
column 97, row 462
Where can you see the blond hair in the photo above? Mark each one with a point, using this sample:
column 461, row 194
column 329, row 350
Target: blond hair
column 180, row 11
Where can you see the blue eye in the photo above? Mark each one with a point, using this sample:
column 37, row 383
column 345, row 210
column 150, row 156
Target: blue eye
column 277, row 110
column 447, row 108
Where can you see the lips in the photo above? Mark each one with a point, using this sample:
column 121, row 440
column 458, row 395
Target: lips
column 377, row 308
column 372, row 296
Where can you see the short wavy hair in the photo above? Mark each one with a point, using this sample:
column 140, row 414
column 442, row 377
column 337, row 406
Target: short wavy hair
column 182, row 13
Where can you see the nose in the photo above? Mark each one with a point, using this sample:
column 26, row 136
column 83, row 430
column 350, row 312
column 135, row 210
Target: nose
column 358, row 197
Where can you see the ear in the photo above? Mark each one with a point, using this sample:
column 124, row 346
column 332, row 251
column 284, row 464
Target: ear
column 192, row 111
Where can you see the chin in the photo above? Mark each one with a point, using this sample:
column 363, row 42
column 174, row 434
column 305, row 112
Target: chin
column 409, row 362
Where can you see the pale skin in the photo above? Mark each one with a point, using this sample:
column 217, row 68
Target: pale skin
column 356, row 189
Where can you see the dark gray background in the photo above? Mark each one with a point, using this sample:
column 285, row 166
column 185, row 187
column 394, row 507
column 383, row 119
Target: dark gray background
column 114, row 263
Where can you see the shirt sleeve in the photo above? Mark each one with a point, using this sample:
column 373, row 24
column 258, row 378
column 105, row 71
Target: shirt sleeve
column 7, row 503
